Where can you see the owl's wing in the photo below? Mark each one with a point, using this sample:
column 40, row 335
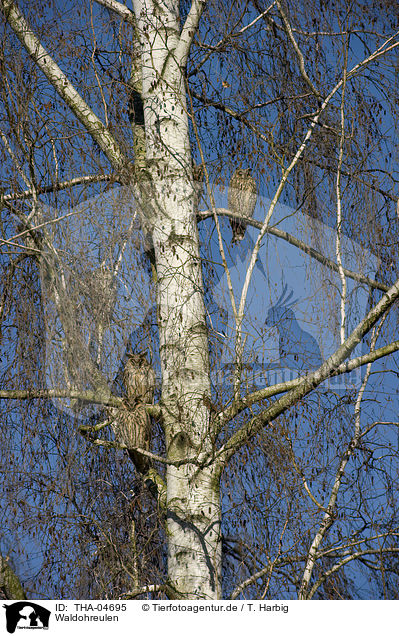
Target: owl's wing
column 234, row 192
column 231, row 199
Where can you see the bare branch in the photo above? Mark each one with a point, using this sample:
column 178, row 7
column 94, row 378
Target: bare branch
column 146, row 589
column 95, row 397
column 229, row 37
column 62, row 85
column 14, row 158
column 259, row 574
column 284, row 179
column 55, row 187
column 351, row 557
column 367, row 430
column 338, row 242
column 188, row 32
column 298, row 51
column 329, row 516
column 120, row 9
column 141, row 451
column 310, row 381
column 263, row 394
column 10, row 271
column 387, row 46
column 213, row 213
column 275, row 231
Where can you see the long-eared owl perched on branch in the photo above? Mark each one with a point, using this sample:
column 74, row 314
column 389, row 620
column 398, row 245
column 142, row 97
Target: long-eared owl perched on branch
column 241, row 197
column 134, row 426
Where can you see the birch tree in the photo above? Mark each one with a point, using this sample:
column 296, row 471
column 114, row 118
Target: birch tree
column 132, row 117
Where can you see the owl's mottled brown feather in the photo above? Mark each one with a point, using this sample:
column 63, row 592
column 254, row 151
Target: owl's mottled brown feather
column 242, row 197
column 139, row 379
column 134, row 423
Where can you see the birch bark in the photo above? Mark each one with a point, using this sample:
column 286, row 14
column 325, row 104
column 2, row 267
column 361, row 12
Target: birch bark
column 167, row 201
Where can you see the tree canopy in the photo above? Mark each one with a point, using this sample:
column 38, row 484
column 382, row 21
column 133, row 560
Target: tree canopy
column 208, row 191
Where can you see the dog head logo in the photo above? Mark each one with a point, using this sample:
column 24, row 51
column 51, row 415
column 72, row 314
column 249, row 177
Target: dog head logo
column 26, row 615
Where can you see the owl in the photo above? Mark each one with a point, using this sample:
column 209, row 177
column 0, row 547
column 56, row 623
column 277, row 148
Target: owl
column 242, row 197
column 134, row 423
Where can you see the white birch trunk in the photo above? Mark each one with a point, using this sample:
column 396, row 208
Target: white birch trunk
column 193, row 517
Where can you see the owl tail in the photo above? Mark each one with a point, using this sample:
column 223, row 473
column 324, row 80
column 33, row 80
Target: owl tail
column 142, row 464
column 238, row 230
